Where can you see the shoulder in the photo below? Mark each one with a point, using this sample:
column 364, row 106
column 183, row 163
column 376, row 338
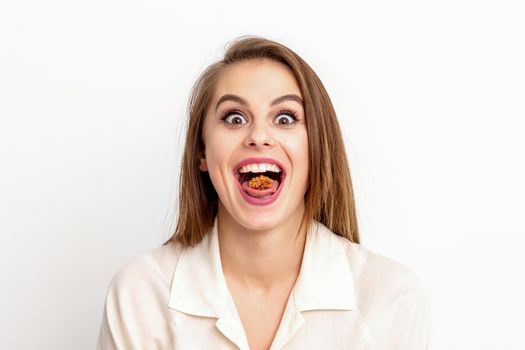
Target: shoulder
column 136, row 302
column 376, row 275
column 370, row 268
column 151, row 268
column 390, row 298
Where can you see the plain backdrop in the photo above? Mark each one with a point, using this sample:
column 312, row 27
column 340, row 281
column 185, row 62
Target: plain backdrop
column 93, row 95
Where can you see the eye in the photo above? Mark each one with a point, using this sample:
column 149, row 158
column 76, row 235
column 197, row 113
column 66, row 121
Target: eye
column 286, row 117
column 233, row 117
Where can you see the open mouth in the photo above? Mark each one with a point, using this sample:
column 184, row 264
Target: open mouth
column 260, row 184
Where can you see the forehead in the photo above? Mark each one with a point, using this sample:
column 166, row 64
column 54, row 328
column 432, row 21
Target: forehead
column 256, row 79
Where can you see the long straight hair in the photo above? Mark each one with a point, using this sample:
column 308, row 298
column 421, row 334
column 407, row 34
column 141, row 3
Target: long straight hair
column 329, row 198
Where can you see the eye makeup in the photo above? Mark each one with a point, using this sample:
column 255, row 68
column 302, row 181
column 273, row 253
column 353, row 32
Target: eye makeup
column 233, row 111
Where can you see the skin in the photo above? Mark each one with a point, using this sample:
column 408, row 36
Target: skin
column 261, row 248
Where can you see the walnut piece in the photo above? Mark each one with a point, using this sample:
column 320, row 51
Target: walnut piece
column 260, row 182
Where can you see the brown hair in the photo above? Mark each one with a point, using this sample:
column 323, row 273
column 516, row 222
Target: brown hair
column 329, row 198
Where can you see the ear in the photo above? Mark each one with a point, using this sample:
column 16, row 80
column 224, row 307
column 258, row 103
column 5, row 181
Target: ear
column 203, row 166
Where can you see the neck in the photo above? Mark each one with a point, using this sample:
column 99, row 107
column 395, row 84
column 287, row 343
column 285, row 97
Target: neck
column 261, row 259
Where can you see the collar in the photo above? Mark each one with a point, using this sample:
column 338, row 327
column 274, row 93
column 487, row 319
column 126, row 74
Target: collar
column 324, row 283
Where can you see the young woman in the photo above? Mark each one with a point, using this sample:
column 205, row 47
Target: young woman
column 266, row 252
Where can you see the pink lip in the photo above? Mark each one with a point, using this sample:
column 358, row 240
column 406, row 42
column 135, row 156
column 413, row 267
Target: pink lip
column 253, row 200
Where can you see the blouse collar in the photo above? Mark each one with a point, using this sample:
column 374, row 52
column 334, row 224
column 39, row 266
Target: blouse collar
column 325, row 281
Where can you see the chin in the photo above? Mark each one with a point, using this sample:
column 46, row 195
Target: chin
column 261, row 223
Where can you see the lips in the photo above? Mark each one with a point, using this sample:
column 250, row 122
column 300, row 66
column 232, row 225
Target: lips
column 255, row 196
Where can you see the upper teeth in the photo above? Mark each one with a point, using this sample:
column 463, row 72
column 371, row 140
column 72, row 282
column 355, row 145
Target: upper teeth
column 259, row 168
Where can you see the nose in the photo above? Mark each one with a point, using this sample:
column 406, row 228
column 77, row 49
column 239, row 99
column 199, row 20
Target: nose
column 259, row 136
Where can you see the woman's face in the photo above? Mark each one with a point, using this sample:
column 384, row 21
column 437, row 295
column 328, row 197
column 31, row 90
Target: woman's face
column 251, row 115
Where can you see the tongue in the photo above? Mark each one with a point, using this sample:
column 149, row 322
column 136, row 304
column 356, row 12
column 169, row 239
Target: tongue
column 260, row 193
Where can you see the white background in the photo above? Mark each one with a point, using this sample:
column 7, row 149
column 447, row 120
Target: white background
column 430, row 96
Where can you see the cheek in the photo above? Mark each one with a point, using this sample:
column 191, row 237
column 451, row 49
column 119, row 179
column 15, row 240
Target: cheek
column 297, row 147
column 302, row 146
column 219, row 149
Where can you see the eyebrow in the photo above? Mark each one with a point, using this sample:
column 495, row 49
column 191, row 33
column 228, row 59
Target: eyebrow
column 235, row 98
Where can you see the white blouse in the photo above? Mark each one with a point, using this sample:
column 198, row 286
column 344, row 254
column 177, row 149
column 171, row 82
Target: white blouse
column 346, row 297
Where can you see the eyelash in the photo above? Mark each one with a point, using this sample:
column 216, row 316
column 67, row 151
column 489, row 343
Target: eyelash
column 288, row 112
